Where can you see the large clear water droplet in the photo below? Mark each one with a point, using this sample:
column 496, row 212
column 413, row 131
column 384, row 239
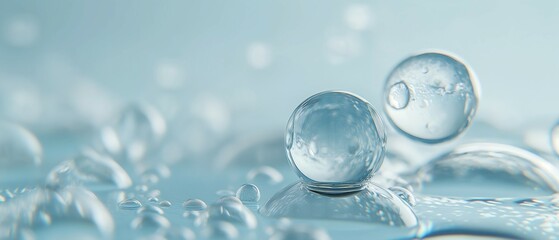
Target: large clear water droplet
column 91, row 169
column 488, row 170
column 398, row 95
column 373, row 205
column 442, row 102
column 138, row 128
column 340, row 142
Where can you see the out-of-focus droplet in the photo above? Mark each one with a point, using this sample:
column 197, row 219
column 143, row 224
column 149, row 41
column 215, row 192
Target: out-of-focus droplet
column 20, row 155
column 220, row 230
column 342, row 48
column 150, row 222
column 358, row 17
column 169, row 76
column 264, row 174
column 91, row 169
column 165, row 204
column 259, row 55
column 299, row 232
column 21, row 31
column 130, row 204
column 139, row 128
column 150, row 209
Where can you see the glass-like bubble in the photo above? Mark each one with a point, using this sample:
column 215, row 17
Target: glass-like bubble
column 165, row 204
column 248, row 193
column 373, row 204
column 488, row 170
column 431, row 97
column 335, row 141
column 90, row 169
column 194, row 205
column 138, row 129
column 20, row 153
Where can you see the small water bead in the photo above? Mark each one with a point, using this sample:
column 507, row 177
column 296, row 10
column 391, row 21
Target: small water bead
column 265, row 174
column 399, row 95
column 404, row 194
column 335, row 141
column 488, row 170
column 130, row 204
column 150, row 209
column 225, row 192
column 431, row 97
column 182, row 233
column 229, row 210
column 91, row 169
column 153, row 199
column 248, row 193
column 165, row 204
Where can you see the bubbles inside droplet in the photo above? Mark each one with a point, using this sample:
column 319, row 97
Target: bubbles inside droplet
column 404, row 194
column 325, row 128
column 398, row 95
column 444, row 98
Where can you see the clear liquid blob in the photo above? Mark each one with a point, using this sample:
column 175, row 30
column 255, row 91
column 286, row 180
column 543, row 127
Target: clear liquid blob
column 90, row 169
column 44, row 212
column 139, row 128
column 487, row 170
column 228, row 209
column 335, row 141
column 248, row 193
column 20, row 155
column 372, row 205
column 431, row 97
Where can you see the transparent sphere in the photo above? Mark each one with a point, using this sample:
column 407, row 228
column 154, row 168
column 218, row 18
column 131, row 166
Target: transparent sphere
column 335, row 141
column 431, row 97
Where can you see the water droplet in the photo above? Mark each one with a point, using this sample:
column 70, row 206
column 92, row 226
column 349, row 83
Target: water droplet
column 150, row 222
column 153, row 200
column 91, row 169
column 300, row 232
column 230, row 209
column 248, row 193
column 265, row 174
column 165, row 204
column 220, row 230
column 194, row 205
column 451, row 91
column 150, row 209
column 130, row 204
column 225, row 192
column 358, row 16
column 399, row 95
column 181, row 233
column 20, row 154
column 404, row 194
column 332, row 168
column 296, row 201
column 488, row 170
column 138, row 128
